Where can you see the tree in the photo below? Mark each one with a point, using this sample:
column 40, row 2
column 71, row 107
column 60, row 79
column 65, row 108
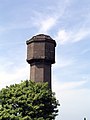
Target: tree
column 28, row 101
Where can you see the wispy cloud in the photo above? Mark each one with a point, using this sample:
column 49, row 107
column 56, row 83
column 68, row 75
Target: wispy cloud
column 71, row 99
column 71, row 85
column 65, row 36
column 49, row 19
column 85, row 51
column 58, row 86
column 62, row 62
column 14, row 25
column 6, row 79
column 45, row 24
column 2, row 29
column 80, row 35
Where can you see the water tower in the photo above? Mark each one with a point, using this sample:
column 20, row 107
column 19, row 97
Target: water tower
column 41, row 56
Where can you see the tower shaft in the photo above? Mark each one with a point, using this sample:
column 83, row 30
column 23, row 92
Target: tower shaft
column 40, row 72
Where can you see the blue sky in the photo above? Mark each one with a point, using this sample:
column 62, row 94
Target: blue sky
column 66, row 21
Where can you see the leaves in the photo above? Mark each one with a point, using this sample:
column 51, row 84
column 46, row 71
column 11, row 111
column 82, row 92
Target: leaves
column 28, row 101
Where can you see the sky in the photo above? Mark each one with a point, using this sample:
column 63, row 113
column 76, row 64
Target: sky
column 67, row 22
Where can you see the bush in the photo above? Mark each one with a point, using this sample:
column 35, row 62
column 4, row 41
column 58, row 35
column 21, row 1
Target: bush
column 28, row 101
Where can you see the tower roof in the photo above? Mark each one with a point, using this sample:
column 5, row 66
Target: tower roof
column 41, row 38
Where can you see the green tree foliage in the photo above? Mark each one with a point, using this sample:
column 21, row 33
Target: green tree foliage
column 28, row 101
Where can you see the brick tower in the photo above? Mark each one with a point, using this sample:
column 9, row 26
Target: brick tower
column 40, row 56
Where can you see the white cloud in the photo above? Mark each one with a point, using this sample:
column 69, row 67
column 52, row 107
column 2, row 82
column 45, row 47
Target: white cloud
column 62, row 62
column 59, row 86
column 64, row 36
column 13, row 26
column 11, row 78
column 2, row 29
column 85, row 51
column 46, row 24
column 80, row 35
column 74, row 103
